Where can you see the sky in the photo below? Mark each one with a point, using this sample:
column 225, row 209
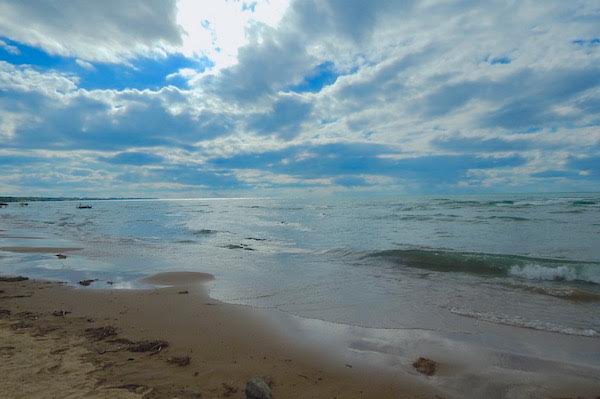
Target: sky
column 168, row 98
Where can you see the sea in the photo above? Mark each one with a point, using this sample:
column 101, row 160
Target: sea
column 517, row 275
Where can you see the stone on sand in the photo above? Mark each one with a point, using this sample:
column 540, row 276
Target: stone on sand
column 257, row 388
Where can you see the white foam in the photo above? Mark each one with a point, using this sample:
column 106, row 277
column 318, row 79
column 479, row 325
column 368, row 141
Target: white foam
column 563, row 272
column 518, row 321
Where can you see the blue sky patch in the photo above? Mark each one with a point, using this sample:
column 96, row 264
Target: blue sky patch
column 322, row 75
column 350, row 181
column 146, row 73
column 27, row 55
column 133, row 158
column 143, row 73
column 500, row 60
column 587, row 42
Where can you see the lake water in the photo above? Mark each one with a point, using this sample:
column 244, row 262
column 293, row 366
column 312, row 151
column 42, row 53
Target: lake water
column 511, row 272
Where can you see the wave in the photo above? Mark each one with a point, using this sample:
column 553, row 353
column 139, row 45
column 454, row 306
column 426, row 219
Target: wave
column 482, row 203
column 518, row 321
column 492, row 265
column 538, row 272
column 521, row 203
column 583, row 202
column 508, row 218
column 204, row 232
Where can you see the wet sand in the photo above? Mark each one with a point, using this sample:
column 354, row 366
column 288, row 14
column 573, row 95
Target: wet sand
column 60, row 341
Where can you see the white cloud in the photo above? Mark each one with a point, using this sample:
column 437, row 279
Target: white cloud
column 217, row 29
column 435, row 78
column 85, row 65
column 185, row 73
column 93, row 31
column 9, row 48
column 28, row 79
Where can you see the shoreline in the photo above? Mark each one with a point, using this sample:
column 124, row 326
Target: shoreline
column 227, row 344
column 68, row 330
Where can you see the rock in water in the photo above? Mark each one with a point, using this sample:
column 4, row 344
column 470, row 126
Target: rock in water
column 257, row 388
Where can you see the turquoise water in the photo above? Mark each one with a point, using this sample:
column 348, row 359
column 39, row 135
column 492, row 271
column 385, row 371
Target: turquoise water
column 436, row 263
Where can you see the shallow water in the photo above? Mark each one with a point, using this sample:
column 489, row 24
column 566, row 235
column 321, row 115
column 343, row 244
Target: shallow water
column 455, row 266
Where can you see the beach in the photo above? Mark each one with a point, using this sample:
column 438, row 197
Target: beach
column 58, row 341
column 181, row 298
column 300, row 199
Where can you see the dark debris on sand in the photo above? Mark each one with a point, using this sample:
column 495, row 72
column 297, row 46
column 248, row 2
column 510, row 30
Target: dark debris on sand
column 21, row 325
column 30, row 316
column 148, row 346
column 60, row 313
column 85, row 283
column 13, row 279
column 228, row 390
column 136, row 388
column 425, row 366
column 179, row 360
column 100, row 333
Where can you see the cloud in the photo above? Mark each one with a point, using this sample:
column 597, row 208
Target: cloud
column 14, row 50
column 523, row 100
column 352, row 20
column 85, row 65
column 342, row 161
column 266, row 65
column 381, row 95
column 53, row 113
column 464, row 144
column 284, row 119
column 101, row 31
column 190, row 175
column 588, row 166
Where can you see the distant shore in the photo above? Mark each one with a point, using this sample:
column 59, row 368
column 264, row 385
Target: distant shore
column 9, row 199
column 58, row 340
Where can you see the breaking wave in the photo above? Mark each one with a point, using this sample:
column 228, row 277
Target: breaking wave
column 492, row 265
column 537, row 272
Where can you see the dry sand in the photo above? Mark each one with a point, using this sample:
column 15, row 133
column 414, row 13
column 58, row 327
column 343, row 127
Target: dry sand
column 57, row 341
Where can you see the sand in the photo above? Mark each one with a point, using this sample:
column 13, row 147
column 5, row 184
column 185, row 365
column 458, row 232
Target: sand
column 58, row 341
